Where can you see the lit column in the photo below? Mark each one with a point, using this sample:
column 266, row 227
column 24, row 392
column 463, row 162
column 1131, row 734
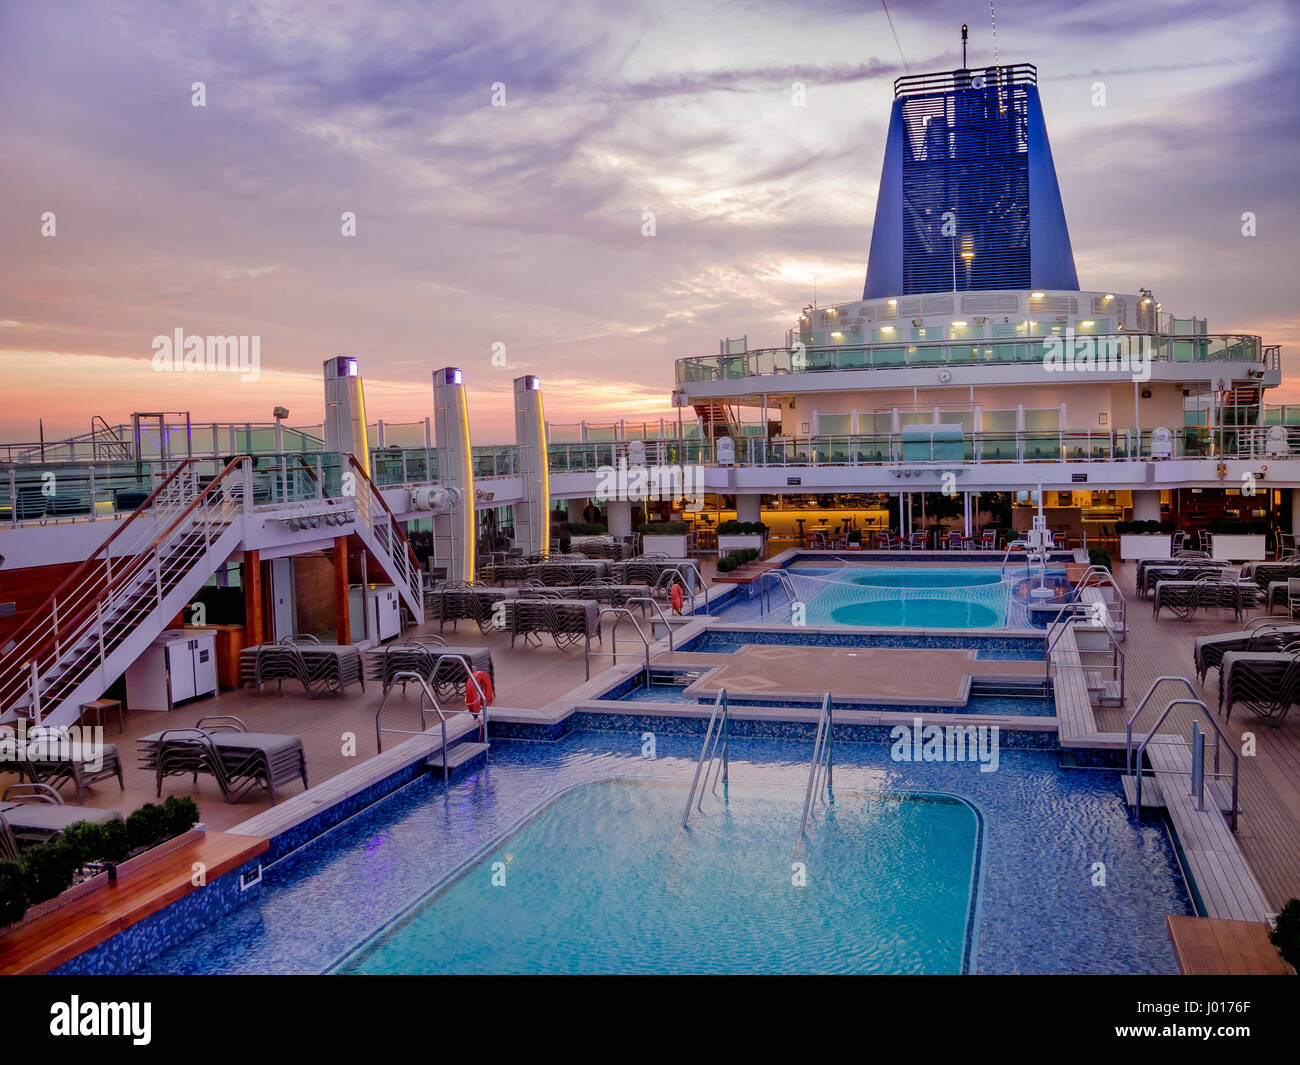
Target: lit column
column 749, row 507
column 345, row 410
column 454, row 528
column 1146, row 506
column 533, row 512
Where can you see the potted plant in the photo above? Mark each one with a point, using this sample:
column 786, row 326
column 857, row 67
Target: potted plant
column 854, row 540
column 1239, row 540
column 1145, row 539
column 742, row 536
column 671, row 538
column 1286, row 936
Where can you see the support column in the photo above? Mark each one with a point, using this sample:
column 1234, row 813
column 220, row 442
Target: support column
column 575, row 509
column 1146, row 506
column 252, row 579
column 619, row 514
column 1295, row 510
column 342, row 623
column 749, row 507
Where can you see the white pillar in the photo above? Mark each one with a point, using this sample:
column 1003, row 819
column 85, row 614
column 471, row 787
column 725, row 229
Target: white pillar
column 749, row 507
column 575, row 509
column 619, row 513
column 1295, row 510
column 1146, row 506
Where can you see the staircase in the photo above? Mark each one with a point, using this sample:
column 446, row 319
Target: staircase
column 1241, row 404
column 100, row 619
column 383, row 537
column 715, row 419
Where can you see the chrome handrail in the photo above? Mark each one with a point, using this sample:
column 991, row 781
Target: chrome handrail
column 658, row 610
column 619, row 612
column 408, row 675
column 821, row 765
column 711, row 737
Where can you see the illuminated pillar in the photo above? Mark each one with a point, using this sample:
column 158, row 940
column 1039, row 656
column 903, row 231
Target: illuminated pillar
column 454, row 527
column 533, row 512
column 345, row 410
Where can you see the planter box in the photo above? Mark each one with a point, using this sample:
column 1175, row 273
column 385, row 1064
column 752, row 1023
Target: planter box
column 1135, row 546
column 672, row 546
column 741, row 542
column 1234, row 548
column 140, row 861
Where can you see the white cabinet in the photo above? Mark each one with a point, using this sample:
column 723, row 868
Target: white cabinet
column 383, row 611
column 181, row 664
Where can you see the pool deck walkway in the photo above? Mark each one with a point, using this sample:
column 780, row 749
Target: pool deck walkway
column 1208, row 947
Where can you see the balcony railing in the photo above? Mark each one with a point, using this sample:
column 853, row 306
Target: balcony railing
column 1022, row 351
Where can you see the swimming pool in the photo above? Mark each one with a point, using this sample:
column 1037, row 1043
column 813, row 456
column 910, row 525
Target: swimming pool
column 911, row 595
column 368, row 895
column 891, row 890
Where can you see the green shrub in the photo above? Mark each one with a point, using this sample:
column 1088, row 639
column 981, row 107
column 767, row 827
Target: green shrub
column 1286, row 937
column 664, row 528
column 116, row 841
column 1098, row 556
column 15, row 890
column 147, row 825
column 1144, row 528
column 85, row 839
column 181, row 814
column 740, row 528
column 51, row 867
column 586, row 528
column 736, row 559
column 855, row 536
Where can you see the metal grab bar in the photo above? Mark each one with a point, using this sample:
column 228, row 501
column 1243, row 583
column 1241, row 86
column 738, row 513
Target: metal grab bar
column 658, row 610
column 698, row 582
column 1070, row 613
column 620, row 612
column 787, row 585
column 708, row 752
column 1104, row 579
column 822, row 764
column 425, row 693
column 1133, row 759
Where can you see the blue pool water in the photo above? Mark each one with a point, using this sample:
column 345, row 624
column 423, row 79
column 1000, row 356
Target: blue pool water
column 894, row 596
column 1037, row 906
column 987, row 647
column 596, row 883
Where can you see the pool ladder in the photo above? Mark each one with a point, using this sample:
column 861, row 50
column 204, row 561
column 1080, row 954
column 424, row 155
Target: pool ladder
column 821, row 768
column 718, row 732
column 783, row 579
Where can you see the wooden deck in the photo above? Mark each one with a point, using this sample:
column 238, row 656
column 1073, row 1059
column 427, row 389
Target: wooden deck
column 1269, row 829
column 1207, row 947
column 50, row 940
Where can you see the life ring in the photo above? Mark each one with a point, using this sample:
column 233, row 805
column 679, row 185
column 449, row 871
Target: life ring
column 676, row 598
column 471, row 692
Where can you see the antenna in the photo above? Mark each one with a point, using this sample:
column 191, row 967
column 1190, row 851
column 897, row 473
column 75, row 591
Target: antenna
column 964, row 31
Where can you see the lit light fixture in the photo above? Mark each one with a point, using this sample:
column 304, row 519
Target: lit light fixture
column 959, row 325
column 1146, row 301
column 1087, row 325
column 1108, row 297
column 886, row 328
column 837, row 334
column 967, row 254
column 1035, row 295
column 893, row 303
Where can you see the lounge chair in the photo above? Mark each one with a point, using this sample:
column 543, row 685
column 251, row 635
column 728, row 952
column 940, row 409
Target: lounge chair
column 53, row 758
column 1266, row 683
column 222, row 747
column 36, row 812
column 1262, row 634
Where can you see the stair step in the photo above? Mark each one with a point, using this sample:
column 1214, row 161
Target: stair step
column 457, row 756
column 1218, row 793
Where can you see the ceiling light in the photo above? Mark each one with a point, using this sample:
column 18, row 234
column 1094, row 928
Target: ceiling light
column 1035, row 295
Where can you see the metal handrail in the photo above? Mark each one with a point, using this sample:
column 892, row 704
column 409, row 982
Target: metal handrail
column 1002, row 570
column 1133, row 759
column 619, row 612
column 658, row 610
column 1107, row 579
column 709, row 748
column 784, row 580
column 426, row 692
column 699, row 581
column 821, row 765
column 1070, row 613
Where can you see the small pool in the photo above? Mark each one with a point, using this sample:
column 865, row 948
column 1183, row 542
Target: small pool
column 902, row 595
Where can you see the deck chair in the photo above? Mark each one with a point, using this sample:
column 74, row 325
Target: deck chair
column 45, row 764
column 989, row 540
column 1293, row 597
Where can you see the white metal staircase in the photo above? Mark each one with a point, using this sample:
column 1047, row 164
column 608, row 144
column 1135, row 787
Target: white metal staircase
column 383, row 537
column 103, row 616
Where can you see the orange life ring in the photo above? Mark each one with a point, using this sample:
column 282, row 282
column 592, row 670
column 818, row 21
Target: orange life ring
column 676, row 598
column 471, row 692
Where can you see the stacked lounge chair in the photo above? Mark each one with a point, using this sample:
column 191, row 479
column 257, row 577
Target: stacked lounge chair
column 1266, row 683
column 461, row 601
column 36, row 812
column 223, row 748
column 444, row 667
column 1152, row 570
column 1218, row 589
column 321, row 668
column 1262, row 634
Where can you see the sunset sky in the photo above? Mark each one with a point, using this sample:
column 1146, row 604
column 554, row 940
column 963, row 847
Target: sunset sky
column 522, row 224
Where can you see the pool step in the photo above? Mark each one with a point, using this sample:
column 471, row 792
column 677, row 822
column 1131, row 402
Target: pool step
column 1217, row 793
column 1104, row 690
column 457, row 756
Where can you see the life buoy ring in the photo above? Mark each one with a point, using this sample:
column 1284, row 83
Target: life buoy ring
column 676, row 598
column 471, row 692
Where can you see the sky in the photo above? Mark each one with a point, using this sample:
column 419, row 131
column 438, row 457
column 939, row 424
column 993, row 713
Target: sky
column 523, row 225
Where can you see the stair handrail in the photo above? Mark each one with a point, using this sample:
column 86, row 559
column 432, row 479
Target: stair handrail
column 658, row 610
column 1071, row 613
column 1002, row 570
column 407, row 563
column 1104, row 579
column 821, row 764
column 30, row 642
column 1133, row 758
column 723, row 725
column 619, row 612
